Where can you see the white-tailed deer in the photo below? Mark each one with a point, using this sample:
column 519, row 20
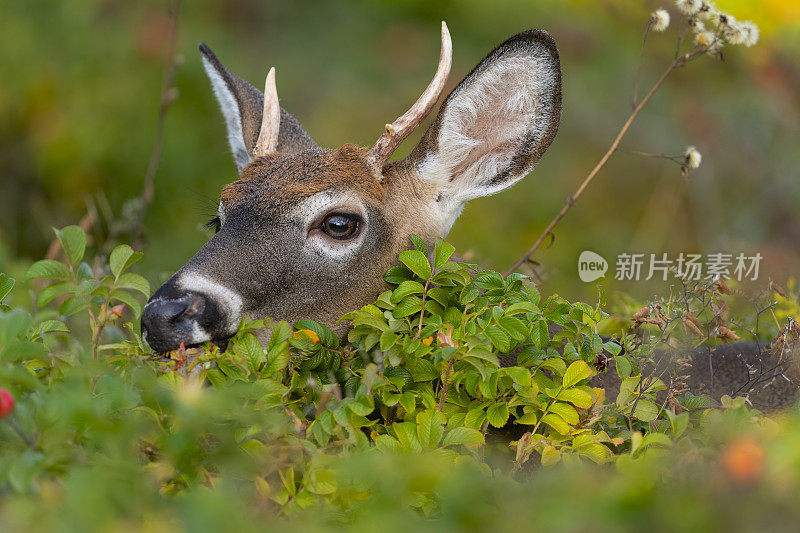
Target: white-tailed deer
column 307, row 232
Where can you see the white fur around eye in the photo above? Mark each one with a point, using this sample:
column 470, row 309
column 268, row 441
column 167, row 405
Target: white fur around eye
column 310, row 213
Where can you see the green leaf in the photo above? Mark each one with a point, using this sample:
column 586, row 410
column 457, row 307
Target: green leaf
column 556, row 422
column 47, row 268
column 6, row 284
column 397, row 274
column 409, row 306
column 678, row 423
column 73, row 242
column 577, row 371
column 122, row 257
column 520, row 376
column 128, row 299
column 51, row 326
column 523, row 307
column 134, row 282
column 576, row 397
column 416, row 262
column 326, row 336
column 387, row 444
column 623, row 366
column 277, row 359
column 515, row 328
column 550, row 456
column 698, row 402
column 540, row 335
column 419, row 244
column 471, row 438
column 498, row 337
column 489, row 279
column 406, row 288
column 53, row 290
column 422, row 369
column 612, row 347
column 497, row 414
column 646, row 410
column 442, row 253
column 407, row 435
column 430, row 427
column 565, row 411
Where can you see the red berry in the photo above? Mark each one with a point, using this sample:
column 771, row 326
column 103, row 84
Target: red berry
column 6, row 403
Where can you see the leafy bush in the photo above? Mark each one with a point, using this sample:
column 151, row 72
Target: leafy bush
column 413, row 419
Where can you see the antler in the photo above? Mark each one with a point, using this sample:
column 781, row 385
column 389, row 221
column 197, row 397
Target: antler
column 401, row 128
column 267, row 143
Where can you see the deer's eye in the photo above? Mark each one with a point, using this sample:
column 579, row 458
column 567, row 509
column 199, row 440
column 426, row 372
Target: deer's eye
column 341, row 226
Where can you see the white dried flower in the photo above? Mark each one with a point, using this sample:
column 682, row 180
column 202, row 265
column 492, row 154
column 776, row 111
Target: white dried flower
column 705, row 38
column 659, row 20
column 751, row 33
column 693, row 157
column 697, row 25
column 688, row 7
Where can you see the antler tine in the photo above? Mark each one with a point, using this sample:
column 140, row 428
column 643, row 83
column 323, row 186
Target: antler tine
column 267, row 143
column 401, row 128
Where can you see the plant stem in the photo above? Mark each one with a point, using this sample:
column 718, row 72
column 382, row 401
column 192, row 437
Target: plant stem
column 678, row 62
column 155, row 155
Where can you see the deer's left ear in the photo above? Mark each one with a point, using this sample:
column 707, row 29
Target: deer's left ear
column 495, row 125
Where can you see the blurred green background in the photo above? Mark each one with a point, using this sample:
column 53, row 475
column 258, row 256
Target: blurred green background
column 81, row 84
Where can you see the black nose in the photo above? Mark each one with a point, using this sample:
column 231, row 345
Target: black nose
column 167, row 322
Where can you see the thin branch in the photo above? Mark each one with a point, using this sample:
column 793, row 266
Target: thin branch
column 167, row 97
column 572, row 199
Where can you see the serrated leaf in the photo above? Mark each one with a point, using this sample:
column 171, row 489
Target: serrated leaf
column 407, row 436
column 488, row 279
column 497, row 414
column 6, row 284
column 442, row 252
column 623, row 366
column 53, row 290
column 409, row 306
column 421, row 369
column 417, row 262
column 122, row 257
column 577, row 371
column 406, row 288
column 556, row 422
column 471, row 438
column 576, row 397
column 565, row 411
column 135, row 282
column 540, row 336
column 498, row 337
column 550, row 455
column 646, row 410
column 128, row 298
column 522, row 307
column 47, row 268
column 515, row 328
column 430, row 427
column 73, row 242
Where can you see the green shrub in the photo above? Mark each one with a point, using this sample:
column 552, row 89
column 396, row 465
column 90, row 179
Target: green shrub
column 413, row 419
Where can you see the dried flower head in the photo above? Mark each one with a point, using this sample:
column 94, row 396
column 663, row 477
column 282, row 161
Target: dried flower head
column 693, row 157
column 705, row 38
column 751, row 33
column 688, row 7
column 659, row 20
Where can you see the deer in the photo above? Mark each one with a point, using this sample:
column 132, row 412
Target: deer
column 307, row 232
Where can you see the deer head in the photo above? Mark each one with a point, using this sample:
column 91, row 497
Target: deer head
column 307, row 232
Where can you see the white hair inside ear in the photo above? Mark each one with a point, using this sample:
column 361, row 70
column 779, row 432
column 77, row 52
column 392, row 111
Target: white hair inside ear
column 487, row 127
column 231, row 112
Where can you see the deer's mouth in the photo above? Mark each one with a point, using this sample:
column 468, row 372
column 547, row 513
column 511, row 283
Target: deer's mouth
column 175, row 317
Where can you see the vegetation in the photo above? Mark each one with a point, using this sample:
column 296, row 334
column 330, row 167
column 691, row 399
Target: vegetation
column 412, row 420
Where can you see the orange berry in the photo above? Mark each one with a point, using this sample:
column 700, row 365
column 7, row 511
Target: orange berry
column 744, row 460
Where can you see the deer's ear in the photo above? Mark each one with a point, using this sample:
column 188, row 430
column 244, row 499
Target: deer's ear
column 242, row 106
column 495, row 125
